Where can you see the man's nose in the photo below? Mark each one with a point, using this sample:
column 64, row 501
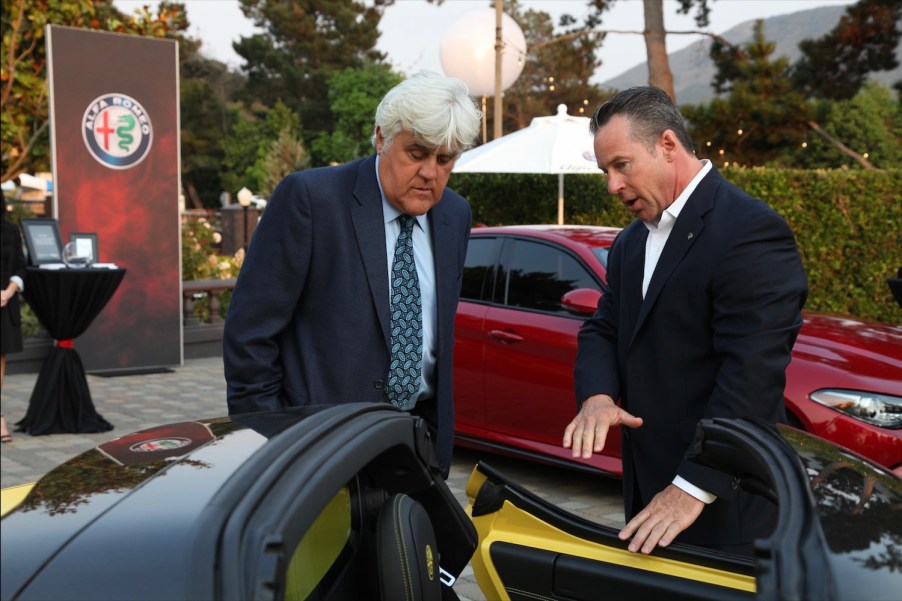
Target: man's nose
column 428, row 167
column 615, row 184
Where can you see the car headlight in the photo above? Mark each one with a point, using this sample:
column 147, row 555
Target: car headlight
column 884, row 410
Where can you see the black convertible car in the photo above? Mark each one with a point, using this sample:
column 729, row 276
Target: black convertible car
column 337, row 502
column 343, row 502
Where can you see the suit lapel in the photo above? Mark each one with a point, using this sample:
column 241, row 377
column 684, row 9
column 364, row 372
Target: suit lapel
column 445, row 264
column 632, row 270
column 686, row 230
column 369, row 227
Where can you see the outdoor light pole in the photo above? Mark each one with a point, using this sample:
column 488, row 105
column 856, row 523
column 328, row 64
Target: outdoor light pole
column 499, row 62
column 244, row 199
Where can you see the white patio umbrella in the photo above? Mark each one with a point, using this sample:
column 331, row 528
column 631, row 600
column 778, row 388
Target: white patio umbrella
column 558, row 144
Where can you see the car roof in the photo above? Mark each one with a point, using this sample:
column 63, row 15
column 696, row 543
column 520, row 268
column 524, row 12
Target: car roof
column 593, row 236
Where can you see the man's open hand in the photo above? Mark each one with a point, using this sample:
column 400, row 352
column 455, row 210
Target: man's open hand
column 589, row 429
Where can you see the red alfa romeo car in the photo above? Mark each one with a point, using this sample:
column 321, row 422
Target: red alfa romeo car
column 526, row 291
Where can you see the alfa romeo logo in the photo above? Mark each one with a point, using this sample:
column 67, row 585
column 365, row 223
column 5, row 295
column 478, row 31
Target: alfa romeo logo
column 117, row 131
column 160, row 444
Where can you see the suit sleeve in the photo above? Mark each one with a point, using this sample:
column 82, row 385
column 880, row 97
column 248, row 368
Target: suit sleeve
column 596, row 369
column 758, row 291
column 266, row 295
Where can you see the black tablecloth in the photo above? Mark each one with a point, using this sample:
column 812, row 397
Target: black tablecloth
column 66, row 301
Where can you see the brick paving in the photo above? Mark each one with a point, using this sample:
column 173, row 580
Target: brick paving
column 197, row 390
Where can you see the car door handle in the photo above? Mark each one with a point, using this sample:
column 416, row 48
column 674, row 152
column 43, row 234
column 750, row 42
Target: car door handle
column 505, row 336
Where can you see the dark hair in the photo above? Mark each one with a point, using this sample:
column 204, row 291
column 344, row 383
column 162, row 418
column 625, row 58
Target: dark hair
column 649, row 111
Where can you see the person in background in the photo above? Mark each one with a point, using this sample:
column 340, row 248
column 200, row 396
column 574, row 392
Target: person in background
column 12, row 280
column 323, row 310
column 704, row 300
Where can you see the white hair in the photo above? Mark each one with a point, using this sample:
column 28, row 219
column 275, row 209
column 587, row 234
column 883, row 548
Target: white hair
column 436, row 110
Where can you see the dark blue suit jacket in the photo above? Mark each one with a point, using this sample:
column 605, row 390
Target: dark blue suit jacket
column 712, row 338
column 309, row 319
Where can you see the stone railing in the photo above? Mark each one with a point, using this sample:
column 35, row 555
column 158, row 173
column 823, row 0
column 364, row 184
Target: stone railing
column 203, row 338
column 192, row 290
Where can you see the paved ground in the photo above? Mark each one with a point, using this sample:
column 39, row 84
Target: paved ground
column 197, row 390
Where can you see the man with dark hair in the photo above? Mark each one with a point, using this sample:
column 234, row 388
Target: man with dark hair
column 704, row 299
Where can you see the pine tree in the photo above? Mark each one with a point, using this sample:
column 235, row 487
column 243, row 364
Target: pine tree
column 836, row 65
column 761, row 115
column 305, row 41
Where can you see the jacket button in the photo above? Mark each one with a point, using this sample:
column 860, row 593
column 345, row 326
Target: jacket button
column 735, row 483
column 378, row 384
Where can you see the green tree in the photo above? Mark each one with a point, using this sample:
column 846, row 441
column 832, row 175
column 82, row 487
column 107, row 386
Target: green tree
column 744, row 73
column 24, row 117
column 285, row 155
column 249, row 143
column 836, row 65
column 761, row 116
column 206, row 90
column 354, row 94
column 870, row 123
column 305, row 41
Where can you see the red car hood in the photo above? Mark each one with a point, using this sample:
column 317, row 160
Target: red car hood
column 865, row 351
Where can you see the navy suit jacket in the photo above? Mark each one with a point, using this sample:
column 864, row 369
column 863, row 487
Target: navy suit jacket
column 712, row 338
column 309, row 318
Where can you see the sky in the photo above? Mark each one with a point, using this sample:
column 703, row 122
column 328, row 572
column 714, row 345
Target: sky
column 412, row 30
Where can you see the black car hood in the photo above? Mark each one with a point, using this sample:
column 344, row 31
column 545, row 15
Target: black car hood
column 173, row 456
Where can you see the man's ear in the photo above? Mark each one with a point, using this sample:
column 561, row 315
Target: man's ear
column 668, row 142
column 380, row 140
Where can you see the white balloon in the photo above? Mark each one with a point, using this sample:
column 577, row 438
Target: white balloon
column 468, row 51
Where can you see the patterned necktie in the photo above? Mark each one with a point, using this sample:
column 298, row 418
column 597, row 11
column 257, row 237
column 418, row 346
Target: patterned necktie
column 406, row 321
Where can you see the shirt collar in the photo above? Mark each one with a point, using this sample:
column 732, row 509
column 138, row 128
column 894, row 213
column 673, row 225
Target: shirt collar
column 389, row 212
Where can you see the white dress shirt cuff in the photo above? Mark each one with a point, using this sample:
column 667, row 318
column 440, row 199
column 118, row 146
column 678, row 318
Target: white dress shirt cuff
column 687, row 487
column 18, row 282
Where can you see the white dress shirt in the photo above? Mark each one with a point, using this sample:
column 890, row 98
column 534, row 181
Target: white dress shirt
column 658, row 233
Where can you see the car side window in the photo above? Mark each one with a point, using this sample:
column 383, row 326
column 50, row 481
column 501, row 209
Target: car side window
column 540, row 274
column 320, row 548
column 479, row 269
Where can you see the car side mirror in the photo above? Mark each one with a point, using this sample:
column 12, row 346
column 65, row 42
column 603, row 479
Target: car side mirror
column 582, row 301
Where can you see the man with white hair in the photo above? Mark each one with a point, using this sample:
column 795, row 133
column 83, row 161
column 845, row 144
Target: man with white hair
column 325, row 310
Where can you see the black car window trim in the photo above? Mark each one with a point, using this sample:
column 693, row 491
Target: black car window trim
column 301, row 478
column 505, row 266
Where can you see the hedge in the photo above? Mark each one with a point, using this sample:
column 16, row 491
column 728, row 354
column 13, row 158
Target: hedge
column 847, row 223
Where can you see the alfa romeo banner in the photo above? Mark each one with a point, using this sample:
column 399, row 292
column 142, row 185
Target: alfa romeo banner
column 114, row 119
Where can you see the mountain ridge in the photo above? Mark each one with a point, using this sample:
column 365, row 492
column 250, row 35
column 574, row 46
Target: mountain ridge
column 693, row 70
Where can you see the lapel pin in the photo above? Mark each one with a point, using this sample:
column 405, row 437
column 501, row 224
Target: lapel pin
column 690, row 236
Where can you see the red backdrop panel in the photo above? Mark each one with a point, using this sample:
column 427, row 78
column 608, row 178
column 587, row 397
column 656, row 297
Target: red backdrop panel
column 115, row 144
